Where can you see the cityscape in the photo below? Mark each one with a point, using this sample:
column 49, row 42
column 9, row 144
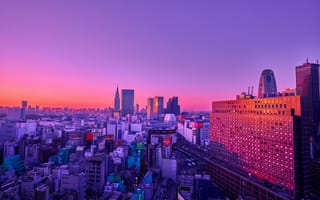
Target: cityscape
column 205, row 100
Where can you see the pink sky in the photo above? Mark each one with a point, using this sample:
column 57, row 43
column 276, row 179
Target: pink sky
column 74, row 53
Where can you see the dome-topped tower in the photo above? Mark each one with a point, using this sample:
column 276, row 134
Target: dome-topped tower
column 267, row 84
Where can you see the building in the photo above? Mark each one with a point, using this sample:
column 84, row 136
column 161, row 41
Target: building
column 158, row 108
column 75, row 181
column 173, row 106
column 24, row 106
column 117, row 100
column 267, row 84
column 266, row 138
column 307, row 84
column 150, row 108
column 96, row 171
column 127, row 101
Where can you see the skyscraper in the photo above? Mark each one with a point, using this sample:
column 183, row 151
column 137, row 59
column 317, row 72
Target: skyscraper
column 150, row 108
column 158, row 105
column 307, row 85
column 267, row 84
column 127, row 101
column 173, row 106
column 117, row 100
column 24, row 105
column 307, row 80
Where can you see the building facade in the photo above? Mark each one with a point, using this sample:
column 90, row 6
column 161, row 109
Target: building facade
column 265, row 138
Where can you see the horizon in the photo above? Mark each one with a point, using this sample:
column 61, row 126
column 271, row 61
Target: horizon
column 73, row 54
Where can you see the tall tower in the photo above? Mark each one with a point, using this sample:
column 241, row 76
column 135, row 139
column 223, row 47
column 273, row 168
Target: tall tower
column 307, row 85
column 173, row 106
column 24, row 105
column 127, row 101
column 150, row 108
column 158, row 105
column 267, row 84
column 117, row 100
column 307, row 80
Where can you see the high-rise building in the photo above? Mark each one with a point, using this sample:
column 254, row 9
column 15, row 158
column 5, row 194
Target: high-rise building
column 173, row 106
column 307, row 84
column 117, row 100
column 267, row 143
column 150, row 108
column 24, row 106
column 267, row 84
column 158, row 108
column 264, row 138
column 127, row 101
column 307, row 80
column 96, row 171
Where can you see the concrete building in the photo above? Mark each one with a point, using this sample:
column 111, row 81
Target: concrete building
column 96, row 171
column 75, row 181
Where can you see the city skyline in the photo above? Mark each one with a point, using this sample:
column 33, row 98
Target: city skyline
column 73, row 54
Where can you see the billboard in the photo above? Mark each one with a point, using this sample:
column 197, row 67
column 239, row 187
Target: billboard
column 167, row 141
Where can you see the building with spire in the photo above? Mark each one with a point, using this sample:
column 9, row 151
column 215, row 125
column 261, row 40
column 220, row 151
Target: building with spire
column 117, row 100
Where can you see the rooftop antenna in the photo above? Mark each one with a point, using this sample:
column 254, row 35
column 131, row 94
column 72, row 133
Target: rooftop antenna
column 251, row 90
column 248, row 90
column 307, row 61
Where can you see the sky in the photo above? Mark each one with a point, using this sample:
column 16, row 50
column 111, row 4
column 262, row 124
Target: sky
column 74, row 53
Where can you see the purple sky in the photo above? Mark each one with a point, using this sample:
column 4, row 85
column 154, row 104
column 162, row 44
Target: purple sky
column 74, row 53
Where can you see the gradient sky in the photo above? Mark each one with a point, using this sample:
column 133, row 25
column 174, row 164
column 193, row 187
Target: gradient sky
column 73, row 53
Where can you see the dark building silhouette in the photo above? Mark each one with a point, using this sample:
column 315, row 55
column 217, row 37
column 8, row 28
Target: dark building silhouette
column 117, row 100
column 127, row 101
column 307, row 85
column 24, row 106
column 173, row 106
column 267, row 84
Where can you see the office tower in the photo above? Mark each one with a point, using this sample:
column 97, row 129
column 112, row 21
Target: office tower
column 267, row 84
column 117, row 100
column 307, row 84
column 96, row 171
column 127, row 101
column 264, row 138
column 150, row 108
column 173, row 106
column 24, row 105
column 158, row 105
column 307, row 80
